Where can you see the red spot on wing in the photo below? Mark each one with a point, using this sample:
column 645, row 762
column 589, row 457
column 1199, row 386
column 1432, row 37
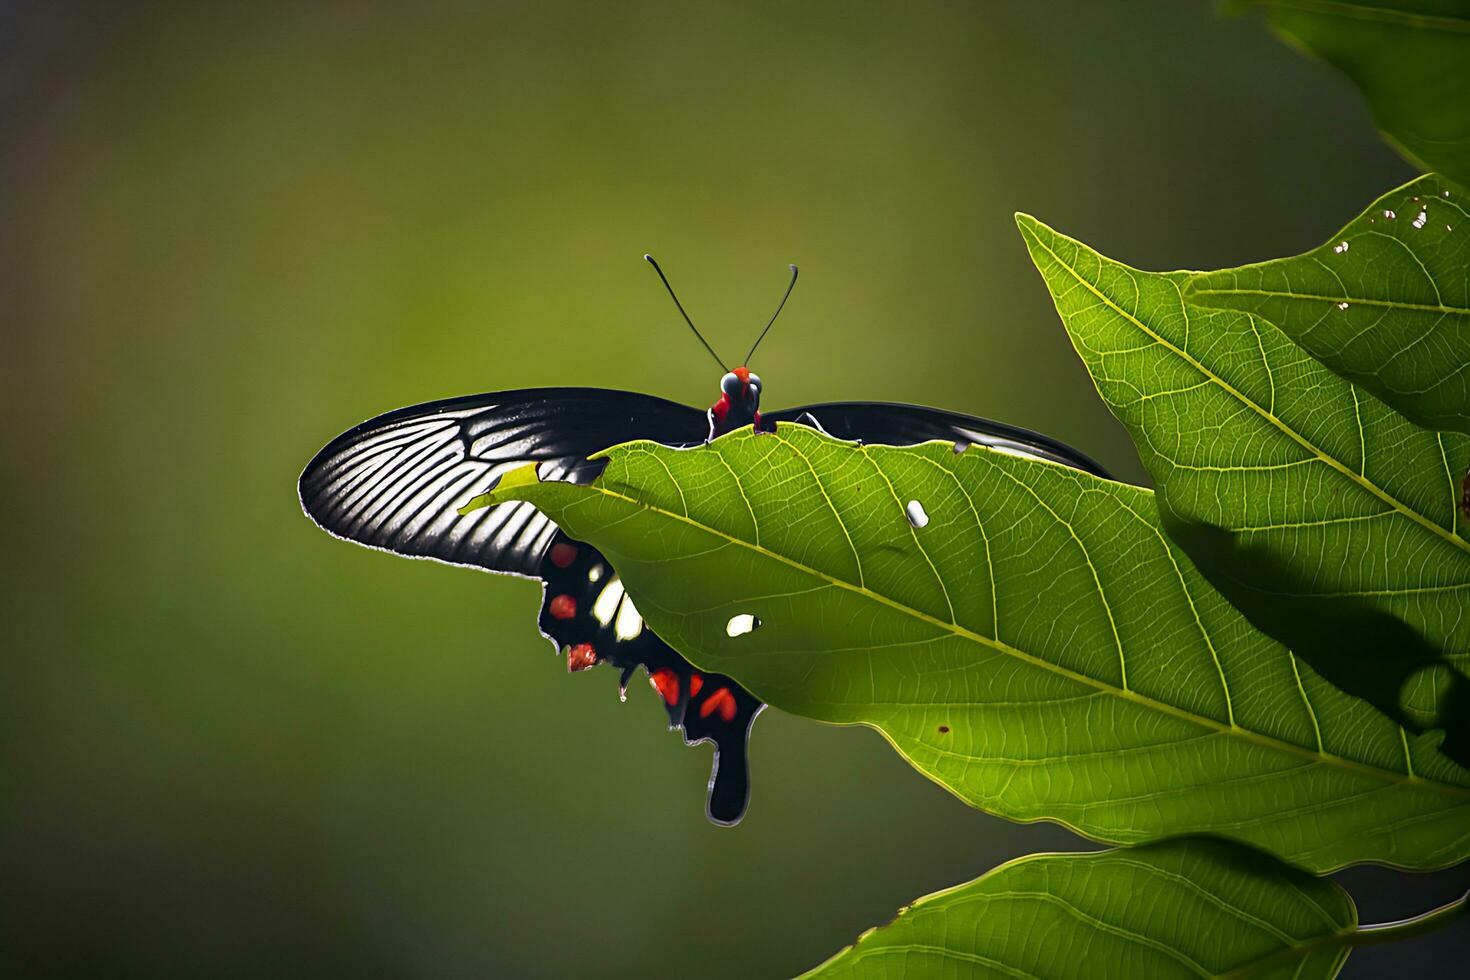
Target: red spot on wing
column 696, row 681
column 563, row 554
column 666, row 682
column 581, row 656
column 722, row 701
column 563, row 607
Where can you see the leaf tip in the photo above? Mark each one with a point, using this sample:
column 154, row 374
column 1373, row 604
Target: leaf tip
column 1032, row 229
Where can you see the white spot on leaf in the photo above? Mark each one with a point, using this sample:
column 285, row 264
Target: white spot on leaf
column 741, row 624
column 916, row 515
column 1341, row 247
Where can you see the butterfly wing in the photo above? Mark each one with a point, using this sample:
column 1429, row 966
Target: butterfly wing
column 396, row 482
column 885, row 424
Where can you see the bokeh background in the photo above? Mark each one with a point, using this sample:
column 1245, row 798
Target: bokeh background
column 236, row 747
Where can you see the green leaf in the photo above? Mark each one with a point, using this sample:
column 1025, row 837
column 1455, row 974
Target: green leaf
column 1185, row 908
column 1385, row 303
column 1410, row 58
column 1330, row 518
column 1038, row 646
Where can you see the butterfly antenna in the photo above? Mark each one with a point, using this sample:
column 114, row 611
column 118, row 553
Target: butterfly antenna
column 789, row 288
column 649, row 259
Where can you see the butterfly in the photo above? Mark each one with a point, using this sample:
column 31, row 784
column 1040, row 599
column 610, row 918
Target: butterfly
column 398, row 482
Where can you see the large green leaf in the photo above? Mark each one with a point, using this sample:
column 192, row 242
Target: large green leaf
column 1385, row 303
column 1186, row 908
column 1037, row 646
column 1411, row 58
column 1330, row 518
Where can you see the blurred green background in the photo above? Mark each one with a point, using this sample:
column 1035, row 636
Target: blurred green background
column 237, row 747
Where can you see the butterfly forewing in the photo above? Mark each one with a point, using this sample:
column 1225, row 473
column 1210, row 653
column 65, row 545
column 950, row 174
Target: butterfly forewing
column 397, row 481
column 880, row 423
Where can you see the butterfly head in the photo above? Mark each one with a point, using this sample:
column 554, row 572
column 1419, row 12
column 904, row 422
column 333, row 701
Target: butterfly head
column 740, row 391
column 740, row 401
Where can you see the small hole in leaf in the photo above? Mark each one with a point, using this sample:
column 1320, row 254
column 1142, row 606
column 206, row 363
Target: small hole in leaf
column 741, row 624
column 916, row 515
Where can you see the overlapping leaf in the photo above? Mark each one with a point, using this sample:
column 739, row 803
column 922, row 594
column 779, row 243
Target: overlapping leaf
column 1411, row 58
column 1385, row 303
column 1330, row 518
column 1038, row 646
column 1187, row 908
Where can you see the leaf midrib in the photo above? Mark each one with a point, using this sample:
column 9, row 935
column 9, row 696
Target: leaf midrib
column 1196, row 290
column 1285, row 429
column 1204, row 721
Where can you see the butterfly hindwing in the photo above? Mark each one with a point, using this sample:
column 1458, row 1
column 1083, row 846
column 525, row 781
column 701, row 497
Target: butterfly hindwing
column 592, row 620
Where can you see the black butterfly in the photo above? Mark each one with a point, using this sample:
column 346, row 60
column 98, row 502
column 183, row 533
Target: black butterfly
column 396, row 482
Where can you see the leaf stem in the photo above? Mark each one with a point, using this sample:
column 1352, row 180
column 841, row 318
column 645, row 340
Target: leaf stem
column 1418, row 925
column 1370, row 935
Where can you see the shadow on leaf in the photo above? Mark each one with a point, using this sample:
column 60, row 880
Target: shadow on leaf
column 1364, row 651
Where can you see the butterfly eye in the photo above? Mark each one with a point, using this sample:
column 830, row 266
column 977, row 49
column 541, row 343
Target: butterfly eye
column 755, row 381
column 730, row 385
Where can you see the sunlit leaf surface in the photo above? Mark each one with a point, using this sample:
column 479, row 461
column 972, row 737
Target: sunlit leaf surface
column 1187, row 908
column 1037, row 646
column 1385, row 303
column 1300, row 487
column 1411, row 58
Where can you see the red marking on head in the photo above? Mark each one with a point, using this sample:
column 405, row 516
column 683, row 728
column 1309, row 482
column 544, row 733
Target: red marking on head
column 563, row 554
column 581, row 656
column 696, row 681
column 563, row 607
column 666, row 682
column 743, row 373
column 721, row 408
column 722, row 701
